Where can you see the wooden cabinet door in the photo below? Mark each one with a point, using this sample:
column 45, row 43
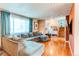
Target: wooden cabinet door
column 61, row 32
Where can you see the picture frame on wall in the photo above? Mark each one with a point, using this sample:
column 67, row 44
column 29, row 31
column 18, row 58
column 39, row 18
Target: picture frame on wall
column 35, row 25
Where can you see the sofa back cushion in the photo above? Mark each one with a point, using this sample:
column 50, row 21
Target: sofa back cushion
column 30, row 34
column 37, row 33
column 24, row 35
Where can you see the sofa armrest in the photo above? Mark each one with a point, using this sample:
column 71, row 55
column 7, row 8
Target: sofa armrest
column 10, row 47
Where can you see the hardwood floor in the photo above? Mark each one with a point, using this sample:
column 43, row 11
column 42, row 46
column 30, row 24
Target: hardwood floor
column 54, row 47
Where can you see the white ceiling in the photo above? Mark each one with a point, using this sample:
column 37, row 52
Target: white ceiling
column 38, row 10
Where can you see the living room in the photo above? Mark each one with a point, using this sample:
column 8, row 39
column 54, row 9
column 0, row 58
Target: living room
column 39, row 33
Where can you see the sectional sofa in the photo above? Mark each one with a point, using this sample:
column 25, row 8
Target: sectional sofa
column 22, row 45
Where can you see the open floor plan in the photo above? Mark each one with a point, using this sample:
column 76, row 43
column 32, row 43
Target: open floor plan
column 39, row 29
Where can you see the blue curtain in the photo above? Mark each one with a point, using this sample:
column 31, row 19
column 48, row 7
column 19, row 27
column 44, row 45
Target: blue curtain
column 30, row 25
column 5, row 23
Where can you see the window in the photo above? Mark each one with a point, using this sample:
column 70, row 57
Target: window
column 18, row 24
column 62, row 23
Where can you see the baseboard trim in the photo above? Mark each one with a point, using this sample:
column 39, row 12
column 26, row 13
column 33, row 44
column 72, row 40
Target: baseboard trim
column 70, row 48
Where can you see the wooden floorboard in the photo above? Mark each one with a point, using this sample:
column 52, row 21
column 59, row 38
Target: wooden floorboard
column 56, row 47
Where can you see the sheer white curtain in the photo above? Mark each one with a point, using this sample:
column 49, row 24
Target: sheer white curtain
column 18, row 24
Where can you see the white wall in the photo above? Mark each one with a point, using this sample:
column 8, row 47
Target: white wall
column 52, row 22
column 76, row 30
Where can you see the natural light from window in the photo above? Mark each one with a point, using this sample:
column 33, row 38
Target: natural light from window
column 18, row 24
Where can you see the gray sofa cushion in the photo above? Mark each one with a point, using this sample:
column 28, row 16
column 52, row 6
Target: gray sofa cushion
column 30, row 35
column 43, row 38
column 24, row 35
column 32, row 48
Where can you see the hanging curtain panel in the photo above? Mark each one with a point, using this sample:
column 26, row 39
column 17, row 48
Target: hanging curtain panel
column 5, row 23
column 30, row 25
